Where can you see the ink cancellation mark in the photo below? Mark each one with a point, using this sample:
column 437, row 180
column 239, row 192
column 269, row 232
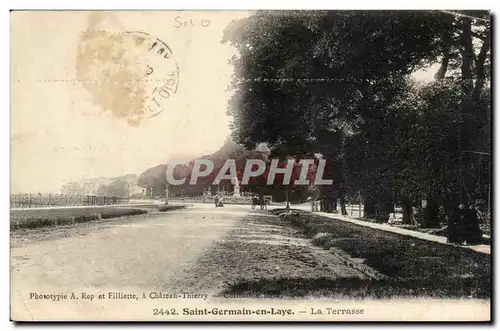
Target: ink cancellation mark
column 131, row 74
column 161, row 68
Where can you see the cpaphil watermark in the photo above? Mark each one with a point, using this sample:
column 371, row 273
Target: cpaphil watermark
column 301, row 172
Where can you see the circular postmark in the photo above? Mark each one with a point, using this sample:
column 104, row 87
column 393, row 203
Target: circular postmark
column 131, row 74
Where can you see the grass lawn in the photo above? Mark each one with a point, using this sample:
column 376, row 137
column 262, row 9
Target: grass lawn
column 23, row 219
column 49, row 217
column 411, row 266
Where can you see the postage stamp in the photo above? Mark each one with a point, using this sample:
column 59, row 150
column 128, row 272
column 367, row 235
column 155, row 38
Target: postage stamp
column 321, row 165
column 130, row 74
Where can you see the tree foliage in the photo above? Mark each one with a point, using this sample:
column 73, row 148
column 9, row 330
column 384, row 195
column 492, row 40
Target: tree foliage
column 339, row 83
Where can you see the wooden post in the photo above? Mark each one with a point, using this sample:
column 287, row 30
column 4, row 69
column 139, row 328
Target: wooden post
column 287, row 200
column 360, row 206
column 166, row 194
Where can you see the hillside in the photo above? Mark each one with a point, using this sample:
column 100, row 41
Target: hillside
column 155, row 177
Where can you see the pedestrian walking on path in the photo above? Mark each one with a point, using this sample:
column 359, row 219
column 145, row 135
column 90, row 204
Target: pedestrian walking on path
column 255, row 201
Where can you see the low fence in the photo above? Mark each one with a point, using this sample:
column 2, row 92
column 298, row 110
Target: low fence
column 50, row 200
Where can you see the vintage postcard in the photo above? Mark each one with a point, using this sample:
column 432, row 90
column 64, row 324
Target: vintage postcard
column 251, row 166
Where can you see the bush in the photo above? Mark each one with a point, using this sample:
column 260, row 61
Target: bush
column 121, row 213
column 427, row 267
column 169, row 208
column 31, row 219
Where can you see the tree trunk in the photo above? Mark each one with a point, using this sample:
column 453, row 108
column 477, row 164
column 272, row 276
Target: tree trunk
column 467, row 53
column 443, row 68
column 430, row 219
column 446, row 55
column 369, row 207
column 407, row 210
column 166, row 194
column 287, row 198
column 480, row 68
column 387, row 206
column 327, row 198
column 343, row 209
column 326, row 203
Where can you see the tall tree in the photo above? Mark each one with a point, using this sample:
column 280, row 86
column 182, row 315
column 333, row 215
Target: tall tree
column 306, row 79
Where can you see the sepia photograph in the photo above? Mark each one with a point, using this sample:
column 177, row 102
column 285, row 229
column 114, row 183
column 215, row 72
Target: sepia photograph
column 263, row 165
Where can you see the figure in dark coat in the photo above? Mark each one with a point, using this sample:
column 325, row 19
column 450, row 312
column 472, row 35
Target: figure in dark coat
column 472, row 232
column 262, row 202
column 456, row 233
column 255, row 201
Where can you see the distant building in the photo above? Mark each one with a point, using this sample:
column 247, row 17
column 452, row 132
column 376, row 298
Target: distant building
column 97, row 186
column 92, row 185
column 133, row 188
column 85, row 187
column 147, row 191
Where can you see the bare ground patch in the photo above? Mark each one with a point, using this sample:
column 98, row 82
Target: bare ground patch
column 265, row 257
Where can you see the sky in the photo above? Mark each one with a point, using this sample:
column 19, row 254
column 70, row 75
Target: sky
column 61, row 130
column 59, row 133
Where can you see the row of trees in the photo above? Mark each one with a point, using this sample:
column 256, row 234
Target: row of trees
column 339, row 83
column 119, row 187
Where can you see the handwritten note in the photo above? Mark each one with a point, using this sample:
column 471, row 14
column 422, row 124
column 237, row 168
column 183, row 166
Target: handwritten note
column 190, row 22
